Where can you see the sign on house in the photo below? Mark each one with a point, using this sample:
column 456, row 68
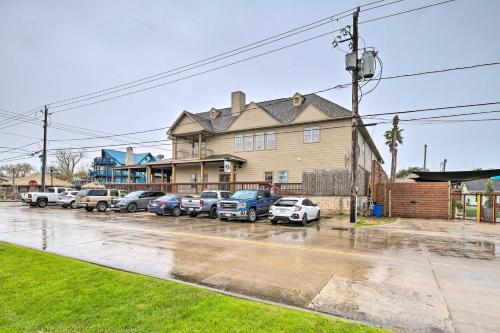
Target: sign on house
column 227, row 166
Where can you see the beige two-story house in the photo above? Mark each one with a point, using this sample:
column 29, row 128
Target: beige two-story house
column 272, row 141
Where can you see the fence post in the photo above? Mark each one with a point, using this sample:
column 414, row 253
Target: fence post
column 449, row 200
column 390, row 203
column 479, row 203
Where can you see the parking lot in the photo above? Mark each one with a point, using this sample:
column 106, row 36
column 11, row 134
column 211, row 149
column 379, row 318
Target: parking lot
column 411, row 275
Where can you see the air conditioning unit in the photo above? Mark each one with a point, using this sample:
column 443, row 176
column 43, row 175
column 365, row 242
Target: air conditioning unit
column 368, row 61
column 350, row 61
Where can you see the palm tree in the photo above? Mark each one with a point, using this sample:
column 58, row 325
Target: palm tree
column 393, row 137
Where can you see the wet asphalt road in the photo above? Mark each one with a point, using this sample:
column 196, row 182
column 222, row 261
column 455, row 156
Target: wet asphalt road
column 412, row 275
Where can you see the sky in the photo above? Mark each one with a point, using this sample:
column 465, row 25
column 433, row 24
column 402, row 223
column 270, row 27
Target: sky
column 53, row 50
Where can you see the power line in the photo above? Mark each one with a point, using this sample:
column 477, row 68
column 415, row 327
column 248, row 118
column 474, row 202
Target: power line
column 233, row 52
column 232, row 63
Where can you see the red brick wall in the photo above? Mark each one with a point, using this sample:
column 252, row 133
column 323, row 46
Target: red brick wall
column 378, row 178
column 422, row 200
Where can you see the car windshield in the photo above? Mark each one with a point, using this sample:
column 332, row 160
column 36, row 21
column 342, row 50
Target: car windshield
column 135, row 194
column 82, row 193
column 206, row 195
column 167, row 198
column 286, row 203
column 244, row 194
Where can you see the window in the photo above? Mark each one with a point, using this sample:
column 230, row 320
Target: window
column 225, row 195
column 282, row 177
column 60, row 190
column 206, row 195
column 113, row 193
column 238, row 143
column 248, row 142
column 268, row 177
column 311, row 134
column 271, row 139
column 259, row 141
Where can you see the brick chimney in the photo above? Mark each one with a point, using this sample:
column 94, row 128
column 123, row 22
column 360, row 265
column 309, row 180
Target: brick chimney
column 129, row 159
column 237, row 103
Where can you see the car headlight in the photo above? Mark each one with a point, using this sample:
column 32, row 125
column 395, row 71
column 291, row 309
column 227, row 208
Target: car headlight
column 242, row 205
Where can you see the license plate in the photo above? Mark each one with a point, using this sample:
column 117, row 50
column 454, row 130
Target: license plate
column 191, row 208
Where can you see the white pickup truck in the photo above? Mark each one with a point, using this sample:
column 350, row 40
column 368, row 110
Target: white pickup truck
column 42, row 199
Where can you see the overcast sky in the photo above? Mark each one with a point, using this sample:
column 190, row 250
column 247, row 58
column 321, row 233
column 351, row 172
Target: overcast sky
column 52, row 50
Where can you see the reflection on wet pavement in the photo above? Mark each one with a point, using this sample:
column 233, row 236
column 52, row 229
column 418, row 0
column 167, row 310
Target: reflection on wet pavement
column 413, row 275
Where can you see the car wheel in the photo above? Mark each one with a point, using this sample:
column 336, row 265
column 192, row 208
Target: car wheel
column 304, row 219
column 252, row 215
column 132, row 207
column 213, row 213
column 158, row 214
column 101, row 206
column 274, row 222
column 191, row 214
column 89, row 209
column 73, row 205
column 222, row 219
column 32, row 204
column 176, row 211
column 42, row 203
column 318, row 217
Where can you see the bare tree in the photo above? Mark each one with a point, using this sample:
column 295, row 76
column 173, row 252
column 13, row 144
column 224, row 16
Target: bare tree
column 17, row 170
column 66, row 162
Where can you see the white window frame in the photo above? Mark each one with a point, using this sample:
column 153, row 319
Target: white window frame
column 279, row 176
column 311, row 134
column 262, row 137
column 271, row 133
column 238, row 146
column 250, row 142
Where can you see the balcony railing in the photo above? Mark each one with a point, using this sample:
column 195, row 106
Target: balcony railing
column 189, row 188
column 193, row 153
column 103, row 161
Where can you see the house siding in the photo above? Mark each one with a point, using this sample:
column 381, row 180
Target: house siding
column 291, row 153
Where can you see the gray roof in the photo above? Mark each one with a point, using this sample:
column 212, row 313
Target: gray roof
column 281, row 109
column 479, row 185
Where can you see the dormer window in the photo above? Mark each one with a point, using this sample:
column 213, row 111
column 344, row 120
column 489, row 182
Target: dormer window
column 298, row 99
column 214, row 113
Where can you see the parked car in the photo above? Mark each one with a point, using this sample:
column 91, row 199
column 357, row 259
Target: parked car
column 42, row 199
column 67, row 199
column 99, row 199
column 301, row 210
column 169, row 204
column 135, row 201
column 205, row 203
column 246, row 204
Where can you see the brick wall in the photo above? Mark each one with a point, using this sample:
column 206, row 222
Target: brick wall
column 422, row 200
column 377, row 179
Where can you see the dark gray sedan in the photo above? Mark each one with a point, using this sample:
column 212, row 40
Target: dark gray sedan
column 135, row 201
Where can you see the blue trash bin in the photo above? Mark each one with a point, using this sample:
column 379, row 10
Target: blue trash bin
column 378, row 210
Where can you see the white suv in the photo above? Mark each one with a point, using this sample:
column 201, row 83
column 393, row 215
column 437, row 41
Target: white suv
column 300, row 210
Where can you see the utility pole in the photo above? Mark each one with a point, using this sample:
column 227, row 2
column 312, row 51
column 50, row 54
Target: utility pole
column 425, row 157
column 44, row 157
column 355, row 114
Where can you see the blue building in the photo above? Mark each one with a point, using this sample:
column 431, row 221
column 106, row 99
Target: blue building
column 110, row 158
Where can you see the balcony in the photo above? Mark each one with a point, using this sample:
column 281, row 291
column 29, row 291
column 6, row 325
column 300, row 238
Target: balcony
column 193, row 153
column 103, row 161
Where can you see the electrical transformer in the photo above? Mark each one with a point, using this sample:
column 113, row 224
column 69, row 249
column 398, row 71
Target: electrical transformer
column 350, row 61
column 368, row 60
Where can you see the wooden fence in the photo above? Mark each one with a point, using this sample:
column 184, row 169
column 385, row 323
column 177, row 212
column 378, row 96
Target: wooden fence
column 333, row 182
column 421, row 200
column 189, row 188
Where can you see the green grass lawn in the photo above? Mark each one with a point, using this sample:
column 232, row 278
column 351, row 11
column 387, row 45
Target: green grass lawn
column 367, row 222
column 41, row 292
